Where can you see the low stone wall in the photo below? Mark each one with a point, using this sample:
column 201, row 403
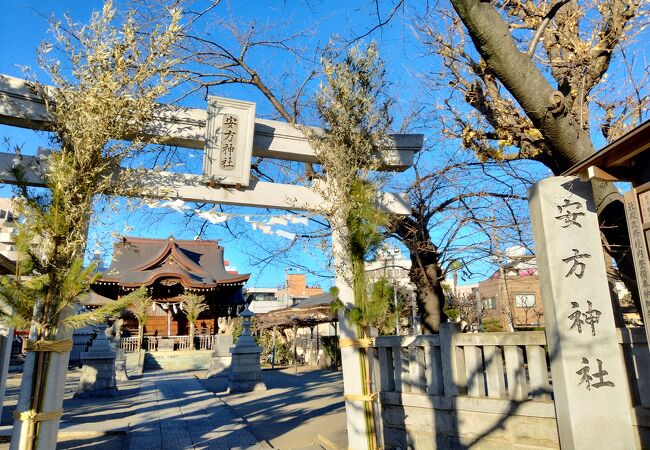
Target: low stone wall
column 417, row 421
column 178, row 360
column 452, row 390
column 485, row 390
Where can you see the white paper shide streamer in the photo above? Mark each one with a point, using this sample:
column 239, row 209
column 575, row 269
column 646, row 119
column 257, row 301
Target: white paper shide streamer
column 214, row 217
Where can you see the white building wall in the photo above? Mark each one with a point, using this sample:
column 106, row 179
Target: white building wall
column 392, row 264
column 7, row 230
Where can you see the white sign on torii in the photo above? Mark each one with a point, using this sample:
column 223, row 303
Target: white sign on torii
column 229, row 141
column 21, row 106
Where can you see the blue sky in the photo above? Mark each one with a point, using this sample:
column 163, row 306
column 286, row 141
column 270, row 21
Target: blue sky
column 24, row 25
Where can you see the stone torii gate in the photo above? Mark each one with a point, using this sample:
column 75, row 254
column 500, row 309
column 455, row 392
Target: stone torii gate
column 230, row 135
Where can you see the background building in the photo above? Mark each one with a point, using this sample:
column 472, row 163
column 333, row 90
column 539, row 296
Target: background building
column 512, row 295
column 8, row 252
column 390, row 263
column 261, row 300
column 293, row 291
column 508, row 300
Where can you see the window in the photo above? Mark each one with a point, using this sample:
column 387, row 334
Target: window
column 490, row 303
column 525, row 300
column 261, row 297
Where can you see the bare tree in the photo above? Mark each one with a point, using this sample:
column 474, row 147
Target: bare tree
column 218, row 62
column 533, row 92
column 536, row 89
column 457, row 207
column 221, row 50
column 465, row 309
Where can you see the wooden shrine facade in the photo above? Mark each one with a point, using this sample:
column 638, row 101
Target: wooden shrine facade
column 170, row 268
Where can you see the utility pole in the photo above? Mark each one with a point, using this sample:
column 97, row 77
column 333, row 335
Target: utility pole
column 415, row 329
column 479, row 310
column 393, row 253
column 503, row 288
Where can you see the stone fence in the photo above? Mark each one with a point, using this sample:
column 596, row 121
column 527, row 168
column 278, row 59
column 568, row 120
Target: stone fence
column 636, row 354
column 167, row 343
column 487, row 390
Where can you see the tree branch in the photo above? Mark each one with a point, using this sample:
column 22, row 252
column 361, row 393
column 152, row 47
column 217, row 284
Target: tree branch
column 542, row 27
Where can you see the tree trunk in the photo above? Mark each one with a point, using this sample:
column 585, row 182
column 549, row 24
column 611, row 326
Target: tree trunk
column 140, row 334
column 567, row 142
column 425, row 273
column 192, row 326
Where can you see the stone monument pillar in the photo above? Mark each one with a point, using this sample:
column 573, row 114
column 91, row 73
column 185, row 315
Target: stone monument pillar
column 98, row 371
column 221, row 359
column 246, row 371
column 589, row 380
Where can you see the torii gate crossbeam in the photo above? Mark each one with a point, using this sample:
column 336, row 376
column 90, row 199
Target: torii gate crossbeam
column 21, row 106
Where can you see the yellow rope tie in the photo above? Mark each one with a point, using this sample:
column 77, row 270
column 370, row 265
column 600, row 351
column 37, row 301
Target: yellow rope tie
column 31, row 416
column 62, row 346
column 360, row 397
column 356, row 343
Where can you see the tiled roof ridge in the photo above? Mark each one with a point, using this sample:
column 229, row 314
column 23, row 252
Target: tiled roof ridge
column 172, row 248
column 185, row 281
column 193, row 242
column 188, row 270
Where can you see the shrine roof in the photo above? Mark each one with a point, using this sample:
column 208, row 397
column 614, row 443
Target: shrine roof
column 621, row 160
column 324, row 299
column 196, row 263
column 309, row 312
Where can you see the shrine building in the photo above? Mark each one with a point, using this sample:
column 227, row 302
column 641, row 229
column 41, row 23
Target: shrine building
column 170, row 268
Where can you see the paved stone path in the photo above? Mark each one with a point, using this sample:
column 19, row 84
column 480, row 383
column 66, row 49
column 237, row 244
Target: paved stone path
column 176, row 412
column 172, row 410
column 301, row 410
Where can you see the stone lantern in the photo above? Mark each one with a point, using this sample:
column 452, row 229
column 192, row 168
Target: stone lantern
column 98, row 371
column 246, row 371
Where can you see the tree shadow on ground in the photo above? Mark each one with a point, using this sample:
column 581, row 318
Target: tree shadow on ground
column 296, row 407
